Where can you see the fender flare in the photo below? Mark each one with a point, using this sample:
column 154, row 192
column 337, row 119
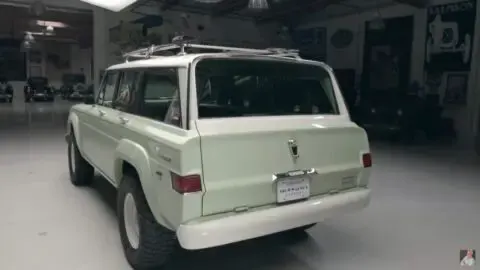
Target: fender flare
column 74, row 122
column 138, row 157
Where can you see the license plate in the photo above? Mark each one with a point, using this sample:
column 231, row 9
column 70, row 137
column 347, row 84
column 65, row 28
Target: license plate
column 293, row 189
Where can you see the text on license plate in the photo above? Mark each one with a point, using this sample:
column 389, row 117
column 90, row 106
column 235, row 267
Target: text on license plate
column 292, row 189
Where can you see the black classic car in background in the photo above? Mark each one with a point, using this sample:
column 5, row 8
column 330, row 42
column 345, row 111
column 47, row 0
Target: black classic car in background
column 69, row 82
column 6, row 91
column 81, row 92
column 37, row 89
column 403, row 117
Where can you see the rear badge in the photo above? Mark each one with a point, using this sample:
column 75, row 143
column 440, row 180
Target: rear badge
column 292, row 145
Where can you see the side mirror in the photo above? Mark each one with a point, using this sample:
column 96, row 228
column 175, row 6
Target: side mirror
column 89, row 100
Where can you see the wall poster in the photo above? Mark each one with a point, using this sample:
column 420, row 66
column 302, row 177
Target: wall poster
column 450, row 32
column 311, row 42
column 456, row 90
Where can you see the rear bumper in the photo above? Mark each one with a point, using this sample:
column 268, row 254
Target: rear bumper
column 224, row 230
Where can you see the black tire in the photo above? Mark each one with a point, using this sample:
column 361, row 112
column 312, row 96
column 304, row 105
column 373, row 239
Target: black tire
column 156, row 243
column 27, row 100
column 82, row 174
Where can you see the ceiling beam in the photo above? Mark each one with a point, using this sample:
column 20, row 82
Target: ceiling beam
column 296, row 10
column 229, row 6
column 414, row 3
column 318, row 17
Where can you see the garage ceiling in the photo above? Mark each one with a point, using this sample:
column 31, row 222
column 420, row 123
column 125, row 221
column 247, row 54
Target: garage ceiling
column 74, row 26
column 279, row 10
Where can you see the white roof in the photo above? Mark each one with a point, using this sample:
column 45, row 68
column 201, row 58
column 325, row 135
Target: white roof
column 184, row 60
column 158, row 61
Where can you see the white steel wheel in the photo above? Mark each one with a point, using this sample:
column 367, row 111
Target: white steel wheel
column 130, row 216
column 72, row 157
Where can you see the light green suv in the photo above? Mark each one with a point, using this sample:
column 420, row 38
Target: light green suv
column 208, row 149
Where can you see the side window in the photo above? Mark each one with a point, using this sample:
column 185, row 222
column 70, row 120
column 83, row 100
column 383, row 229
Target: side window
column 161, row 96
column 125, row 97
column 107, row 90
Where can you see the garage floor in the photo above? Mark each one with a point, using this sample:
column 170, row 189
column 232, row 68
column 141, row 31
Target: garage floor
column 426, row 207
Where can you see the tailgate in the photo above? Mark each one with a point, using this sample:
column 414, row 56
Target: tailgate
column 244, row 158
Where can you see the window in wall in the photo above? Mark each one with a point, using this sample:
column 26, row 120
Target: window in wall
column 108, row 89
column 125, row 98
column 13, row 66
column 161, row 96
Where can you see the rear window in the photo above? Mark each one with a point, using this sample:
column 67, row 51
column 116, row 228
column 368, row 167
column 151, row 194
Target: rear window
column 240, row 88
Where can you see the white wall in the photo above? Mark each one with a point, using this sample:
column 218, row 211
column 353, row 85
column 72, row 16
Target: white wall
column 352, row 56
column 76, row 4
column 221, row 29
column 67, row 52
column 81, row 59
column 235, row 31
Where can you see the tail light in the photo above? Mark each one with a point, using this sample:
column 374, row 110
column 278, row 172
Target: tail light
column 367, row 160
column 186, row 184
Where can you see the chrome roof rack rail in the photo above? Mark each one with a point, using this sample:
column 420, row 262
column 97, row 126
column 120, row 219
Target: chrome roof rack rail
column 180, row 43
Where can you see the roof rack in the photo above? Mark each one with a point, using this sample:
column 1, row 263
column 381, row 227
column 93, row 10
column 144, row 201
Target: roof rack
column 181, row 43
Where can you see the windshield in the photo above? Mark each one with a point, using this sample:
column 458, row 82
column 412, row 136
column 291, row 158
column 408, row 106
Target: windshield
column 237, row 88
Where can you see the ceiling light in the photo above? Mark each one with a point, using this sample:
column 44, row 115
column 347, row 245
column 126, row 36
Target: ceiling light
column 51, row 23
column 113, row 5
column 26, row 45
column 42, row 33
column 29, row 37
column 50, row 29
column 258, row 4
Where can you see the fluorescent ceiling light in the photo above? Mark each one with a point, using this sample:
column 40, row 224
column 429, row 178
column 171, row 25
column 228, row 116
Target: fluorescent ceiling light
column 42, row 34
column 113, row 5
column 51, row 23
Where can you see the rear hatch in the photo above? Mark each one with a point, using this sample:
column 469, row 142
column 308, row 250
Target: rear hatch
column 275, row 135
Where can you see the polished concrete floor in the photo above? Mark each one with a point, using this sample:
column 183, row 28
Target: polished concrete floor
column 425, row 208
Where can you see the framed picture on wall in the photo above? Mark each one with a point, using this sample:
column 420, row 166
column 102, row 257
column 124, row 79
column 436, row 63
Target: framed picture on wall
column 456, row 89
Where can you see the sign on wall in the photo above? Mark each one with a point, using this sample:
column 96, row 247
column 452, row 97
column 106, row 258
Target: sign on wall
column 311, row 42
column 450, row 32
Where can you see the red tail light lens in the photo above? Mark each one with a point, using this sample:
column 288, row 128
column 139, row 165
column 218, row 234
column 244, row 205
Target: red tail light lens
column 367, row 160
column 186, row 184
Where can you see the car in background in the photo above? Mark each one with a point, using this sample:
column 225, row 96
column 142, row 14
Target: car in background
column 403, row 117
column 38, row 89
column 69, row 83
column 6, row 91
column 81, row 92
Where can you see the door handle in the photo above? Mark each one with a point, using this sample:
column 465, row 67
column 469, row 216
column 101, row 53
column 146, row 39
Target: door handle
column 101, row 113
column 123, row 120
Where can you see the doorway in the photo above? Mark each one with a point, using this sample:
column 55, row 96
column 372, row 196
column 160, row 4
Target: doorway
column 386, row 56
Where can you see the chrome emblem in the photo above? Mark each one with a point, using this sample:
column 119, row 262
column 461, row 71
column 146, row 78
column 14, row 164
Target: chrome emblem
column 292, row 145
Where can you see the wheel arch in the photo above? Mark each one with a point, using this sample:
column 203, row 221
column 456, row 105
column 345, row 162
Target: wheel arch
column 133, row 159
column 73, row 125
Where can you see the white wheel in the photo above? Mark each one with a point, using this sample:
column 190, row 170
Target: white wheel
column 130, row 217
